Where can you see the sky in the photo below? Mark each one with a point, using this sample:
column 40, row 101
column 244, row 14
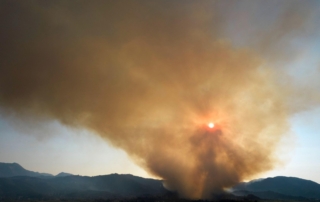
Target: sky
column 94, row 88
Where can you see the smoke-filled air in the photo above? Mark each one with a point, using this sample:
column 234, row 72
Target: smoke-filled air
column 149, row 76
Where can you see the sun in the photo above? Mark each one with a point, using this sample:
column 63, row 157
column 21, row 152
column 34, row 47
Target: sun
column 210, row 125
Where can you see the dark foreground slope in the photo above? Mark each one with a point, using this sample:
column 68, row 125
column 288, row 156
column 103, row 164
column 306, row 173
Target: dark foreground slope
column 168, row 197
column 79, row 187
column 286, row 188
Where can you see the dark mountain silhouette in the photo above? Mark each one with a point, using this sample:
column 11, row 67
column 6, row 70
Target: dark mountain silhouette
column 280, row 188
column 14, row 169
column 106, row 186
column 17, row 183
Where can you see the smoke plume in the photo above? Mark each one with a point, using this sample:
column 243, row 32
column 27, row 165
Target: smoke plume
column 148, row 76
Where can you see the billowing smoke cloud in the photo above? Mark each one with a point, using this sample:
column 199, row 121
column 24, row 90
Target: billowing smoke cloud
column 148, row 76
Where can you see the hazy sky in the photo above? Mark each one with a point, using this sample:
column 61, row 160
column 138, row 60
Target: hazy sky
column 99, row 87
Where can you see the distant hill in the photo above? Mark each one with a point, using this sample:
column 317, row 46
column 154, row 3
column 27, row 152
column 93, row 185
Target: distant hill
column 80, row 187
column 280, row 188
column 14, row 169
column 62, row 174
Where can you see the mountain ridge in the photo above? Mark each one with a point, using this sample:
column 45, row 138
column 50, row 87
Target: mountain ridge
column 288, row 186
column 21, row 183
column 15, row 169
column 63, row 174
column 83, row 187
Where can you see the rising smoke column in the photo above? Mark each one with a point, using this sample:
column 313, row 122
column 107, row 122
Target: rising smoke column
column 148, row 77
